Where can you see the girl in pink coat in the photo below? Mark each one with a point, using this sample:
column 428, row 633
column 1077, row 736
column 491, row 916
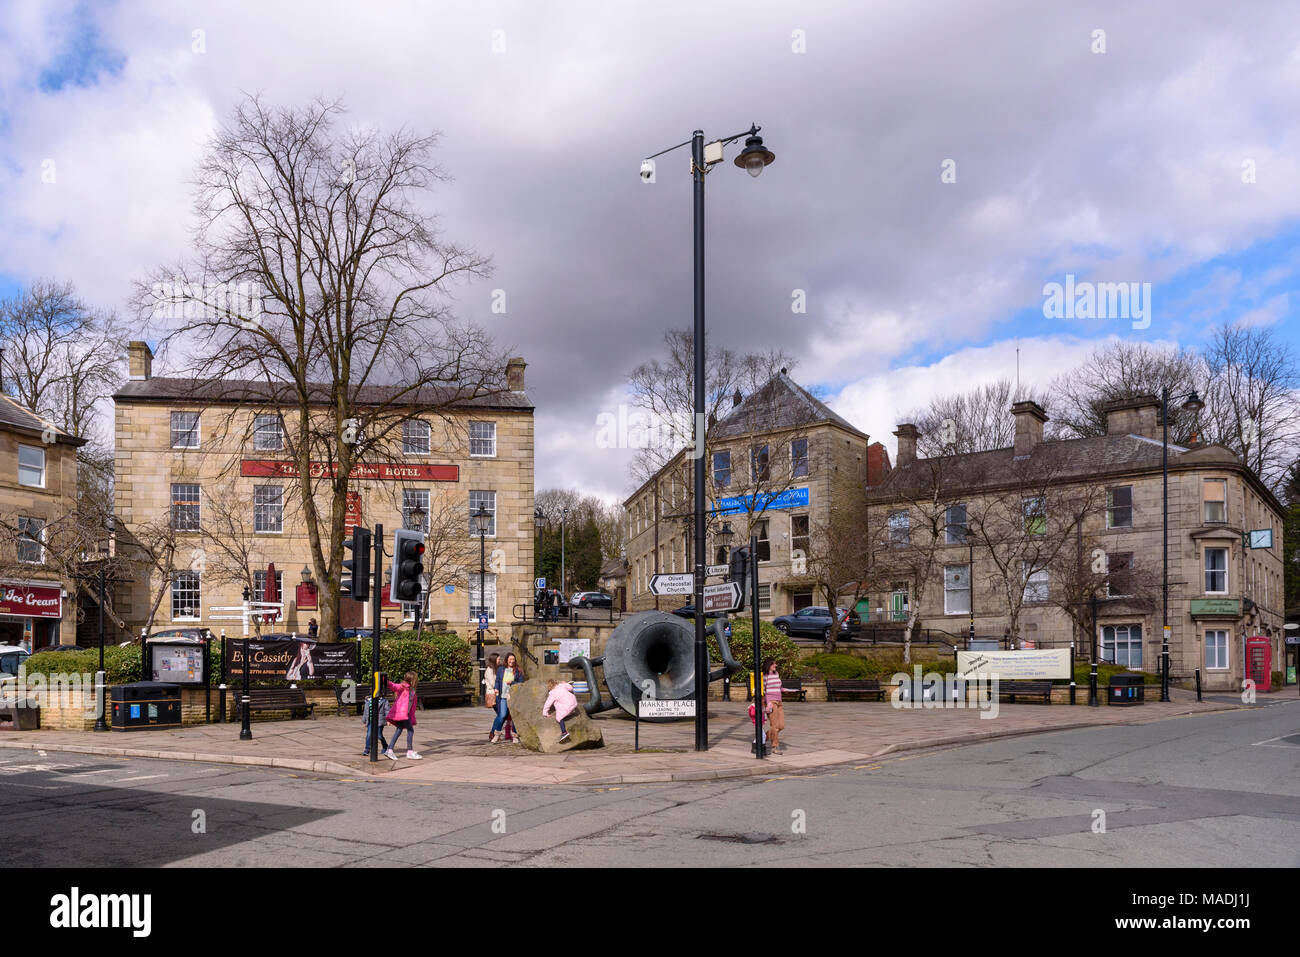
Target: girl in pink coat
column 562, row 699
column 402, row 715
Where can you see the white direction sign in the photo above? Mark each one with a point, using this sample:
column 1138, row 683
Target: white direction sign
column 679, row 584
column 719, row 570
column 722, row 597
column 657, row 708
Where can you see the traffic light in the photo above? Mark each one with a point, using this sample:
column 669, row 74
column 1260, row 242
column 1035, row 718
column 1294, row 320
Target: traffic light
column 358, row 566
column 408, row 566
column 740, row 573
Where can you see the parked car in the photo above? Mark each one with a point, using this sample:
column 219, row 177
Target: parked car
column 815, row 621
column 11, row 659
column 182, row 634
column 593, row 599
column 688, row 611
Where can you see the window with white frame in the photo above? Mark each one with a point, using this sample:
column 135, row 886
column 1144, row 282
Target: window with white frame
column 1122, row 645
column 268, row 508
column 31, row 541
column 955, row 525
column 1216, row 571
column 798, row 458
column 186, row 596
column 409, row 608
column 764, row 598
column 415, row 437
column 1036, row 583
column 31, row 466
column 799, row 535
column 758, row 464
column 1119, row 507
column 185, row 507
column 482, row 439
column 900, row 528
column 488, row 604
column 1216, row 651
column 1214, row 494
column 185, row 430
column 956, row 589
column 483, row 499
column 415, row 500
column 268, row 433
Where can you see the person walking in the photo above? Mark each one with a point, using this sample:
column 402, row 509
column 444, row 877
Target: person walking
column 379, row 714
column 402, row 717
column 490, row 697
column 509, row 673
column 773, row 706
column 562, row 699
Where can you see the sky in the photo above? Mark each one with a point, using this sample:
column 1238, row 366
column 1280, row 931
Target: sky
column 938, row 164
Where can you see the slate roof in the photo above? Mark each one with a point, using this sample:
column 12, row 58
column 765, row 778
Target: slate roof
column 255, row 392
column 18, row 416
column 780, row 403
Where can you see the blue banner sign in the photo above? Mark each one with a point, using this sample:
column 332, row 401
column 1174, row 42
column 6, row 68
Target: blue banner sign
column 790, row 498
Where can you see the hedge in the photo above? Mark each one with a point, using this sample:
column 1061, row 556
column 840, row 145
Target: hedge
column 435, row 657
column 772, row 643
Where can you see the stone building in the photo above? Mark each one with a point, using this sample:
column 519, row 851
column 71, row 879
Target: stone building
column 209, row 458
column 38, row 504
column 1079, row 519
column 778, row 463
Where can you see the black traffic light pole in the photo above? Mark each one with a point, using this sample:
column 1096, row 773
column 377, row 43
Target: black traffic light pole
column 377, row 598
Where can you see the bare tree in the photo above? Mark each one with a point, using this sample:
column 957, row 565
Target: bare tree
column 839, row 555
column 1251, row 400
column 971, row 421
column 316, row 289
column 1124, row 370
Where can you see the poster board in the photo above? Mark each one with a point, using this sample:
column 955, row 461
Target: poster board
column 178, row 664
column 1039, row 664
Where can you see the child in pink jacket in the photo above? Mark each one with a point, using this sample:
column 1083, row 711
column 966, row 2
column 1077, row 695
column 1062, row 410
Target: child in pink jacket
column 562, row 699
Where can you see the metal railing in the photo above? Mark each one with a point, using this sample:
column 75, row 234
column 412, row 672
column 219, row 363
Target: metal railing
column 530, row 611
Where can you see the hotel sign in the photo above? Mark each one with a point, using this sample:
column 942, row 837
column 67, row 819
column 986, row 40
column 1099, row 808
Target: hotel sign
column 262, row 468
column 1216, row 607
column 31, row 601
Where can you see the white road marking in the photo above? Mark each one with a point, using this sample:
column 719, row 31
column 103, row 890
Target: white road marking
column 142, row 777
column 1268, row 742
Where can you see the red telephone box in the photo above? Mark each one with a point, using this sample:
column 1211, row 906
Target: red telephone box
column 1259, row 662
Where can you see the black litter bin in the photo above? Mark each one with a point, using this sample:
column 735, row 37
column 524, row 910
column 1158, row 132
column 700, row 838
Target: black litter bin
column 144, row 705
column 1126, row 690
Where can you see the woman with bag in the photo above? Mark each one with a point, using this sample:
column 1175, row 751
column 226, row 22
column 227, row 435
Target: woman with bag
column 402, row 716
column 508, row 674
column 490, row 686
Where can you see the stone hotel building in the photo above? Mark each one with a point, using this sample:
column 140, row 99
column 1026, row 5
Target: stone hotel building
column 210, row 459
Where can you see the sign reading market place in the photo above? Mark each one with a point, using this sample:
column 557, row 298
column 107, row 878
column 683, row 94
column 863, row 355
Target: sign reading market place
column 32, row 601
column 1016, row 665
column 381, row 471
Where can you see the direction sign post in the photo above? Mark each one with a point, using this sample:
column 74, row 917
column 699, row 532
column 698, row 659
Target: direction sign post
column 724, row 597
column 681, row 583
column 714, row 570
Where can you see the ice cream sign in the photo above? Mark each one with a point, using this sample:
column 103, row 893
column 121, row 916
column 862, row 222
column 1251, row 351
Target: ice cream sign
column 31, row 600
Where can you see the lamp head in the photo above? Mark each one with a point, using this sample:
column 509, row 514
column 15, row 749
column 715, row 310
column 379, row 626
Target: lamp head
column 754, row 156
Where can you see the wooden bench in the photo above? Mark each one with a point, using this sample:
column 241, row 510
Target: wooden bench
column 441, row 691
column 853, row 689
column 355, row 706
column 24, row 719
column 1026, row 689
column 793, row 688
column 293, row 700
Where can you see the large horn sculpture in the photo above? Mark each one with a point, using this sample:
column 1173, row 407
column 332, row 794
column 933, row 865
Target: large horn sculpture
column 651, row 654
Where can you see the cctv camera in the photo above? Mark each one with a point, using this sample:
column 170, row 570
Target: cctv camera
column 647, row 171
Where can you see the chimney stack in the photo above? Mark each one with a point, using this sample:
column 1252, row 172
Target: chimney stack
column 515, row 374
column 139, row 360
column 1029, row 426
column 907, row 435
column 1139, row 415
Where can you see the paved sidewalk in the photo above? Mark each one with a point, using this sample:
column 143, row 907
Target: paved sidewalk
column 455, row 748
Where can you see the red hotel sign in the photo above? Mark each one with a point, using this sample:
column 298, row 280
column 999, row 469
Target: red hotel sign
column 32, row 601
column 383, row 472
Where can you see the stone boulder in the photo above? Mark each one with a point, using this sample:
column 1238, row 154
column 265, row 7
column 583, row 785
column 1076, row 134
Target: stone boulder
column 542, row 734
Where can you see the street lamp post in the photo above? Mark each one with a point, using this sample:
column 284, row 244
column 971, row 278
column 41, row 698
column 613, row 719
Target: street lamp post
column 1193, row 404
column 753, row 158
column 481, row 519
column 564, row 583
